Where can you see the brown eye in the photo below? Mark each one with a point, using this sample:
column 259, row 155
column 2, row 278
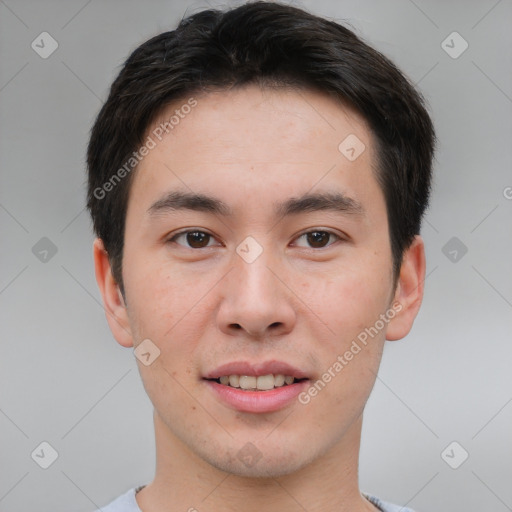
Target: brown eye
column 198, row 239
column 192, row 239
column 318, row 238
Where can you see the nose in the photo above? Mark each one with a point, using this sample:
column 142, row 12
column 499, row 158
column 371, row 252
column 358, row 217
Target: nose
column 255, row 300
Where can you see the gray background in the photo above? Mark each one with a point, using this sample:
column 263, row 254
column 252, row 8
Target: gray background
column 64, row 379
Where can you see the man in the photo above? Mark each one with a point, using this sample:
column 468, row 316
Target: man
column 257, row 179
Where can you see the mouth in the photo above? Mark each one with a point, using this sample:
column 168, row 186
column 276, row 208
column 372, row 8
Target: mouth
column 257, row 383
column 256, row 387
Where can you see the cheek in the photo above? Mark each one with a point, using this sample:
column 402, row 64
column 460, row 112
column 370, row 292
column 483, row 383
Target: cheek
column 169, row 392
column 160, row 295
column 350, row 304
column 162, row 310
column 346, row 302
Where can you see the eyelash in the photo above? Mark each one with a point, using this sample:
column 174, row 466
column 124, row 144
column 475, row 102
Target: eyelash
column 185, row 232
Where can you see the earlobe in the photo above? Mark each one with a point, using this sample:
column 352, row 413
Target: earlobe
column 409, row 290
column 113, row 301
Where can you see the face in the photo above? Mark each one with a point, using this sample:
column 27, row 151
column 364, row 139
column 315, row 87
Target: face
column 256, row 245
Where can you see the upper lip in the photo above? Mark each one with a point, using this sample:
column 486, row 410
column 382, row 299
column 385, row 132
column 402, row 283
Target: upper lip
column 256, row 369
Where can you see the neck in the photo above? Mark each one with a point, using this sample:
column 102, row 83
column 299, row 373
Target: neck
column 184, row 481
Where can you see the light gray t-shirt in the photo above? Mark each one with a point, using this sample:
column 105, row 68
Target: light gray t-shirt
column 127, row 503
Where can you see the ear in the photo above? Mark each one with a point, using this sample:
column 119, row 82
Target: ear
column 115, row 308
column 409, row 290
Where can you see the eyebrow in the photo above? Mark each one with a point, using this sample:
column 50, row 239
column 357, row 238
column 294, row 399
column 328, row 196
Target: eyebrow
column 309, row 202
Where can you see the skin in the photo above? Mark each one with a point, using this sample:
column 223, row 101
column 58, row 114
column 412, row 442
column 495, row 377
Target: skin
column 203, row 307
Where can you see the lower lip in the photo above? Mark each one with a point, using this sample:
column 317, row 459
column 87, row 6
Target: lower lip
column 258, row 401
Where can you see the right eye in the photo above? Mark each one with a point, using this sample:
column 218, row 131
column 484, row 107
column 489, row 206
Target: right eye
column 194, row 239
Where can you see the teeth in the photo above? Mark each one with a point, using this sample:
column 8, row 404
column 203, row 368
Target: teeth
column 279, row 380
column 262, row 383
column 265, row 382
column 247, row 382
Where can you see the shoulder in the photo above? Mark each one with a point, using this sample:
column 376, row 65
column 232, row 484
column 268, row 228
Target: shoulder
column 124, row 503
column 384, row 505
column 127, row 503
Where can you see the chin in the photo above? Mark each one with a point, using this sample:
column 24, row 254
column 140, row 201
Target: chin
column 249, row 462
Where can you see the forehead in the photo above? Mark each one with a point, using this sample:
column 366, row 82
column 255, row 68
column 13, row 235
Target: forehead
column 262, row 141
column 297, row 116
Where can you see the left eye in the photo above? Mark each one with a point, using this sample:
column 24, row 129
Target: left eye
column 317, row 239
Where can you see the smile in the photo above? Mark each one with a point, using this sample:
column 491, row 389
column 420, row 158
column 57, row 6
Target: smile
column 252, row 383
